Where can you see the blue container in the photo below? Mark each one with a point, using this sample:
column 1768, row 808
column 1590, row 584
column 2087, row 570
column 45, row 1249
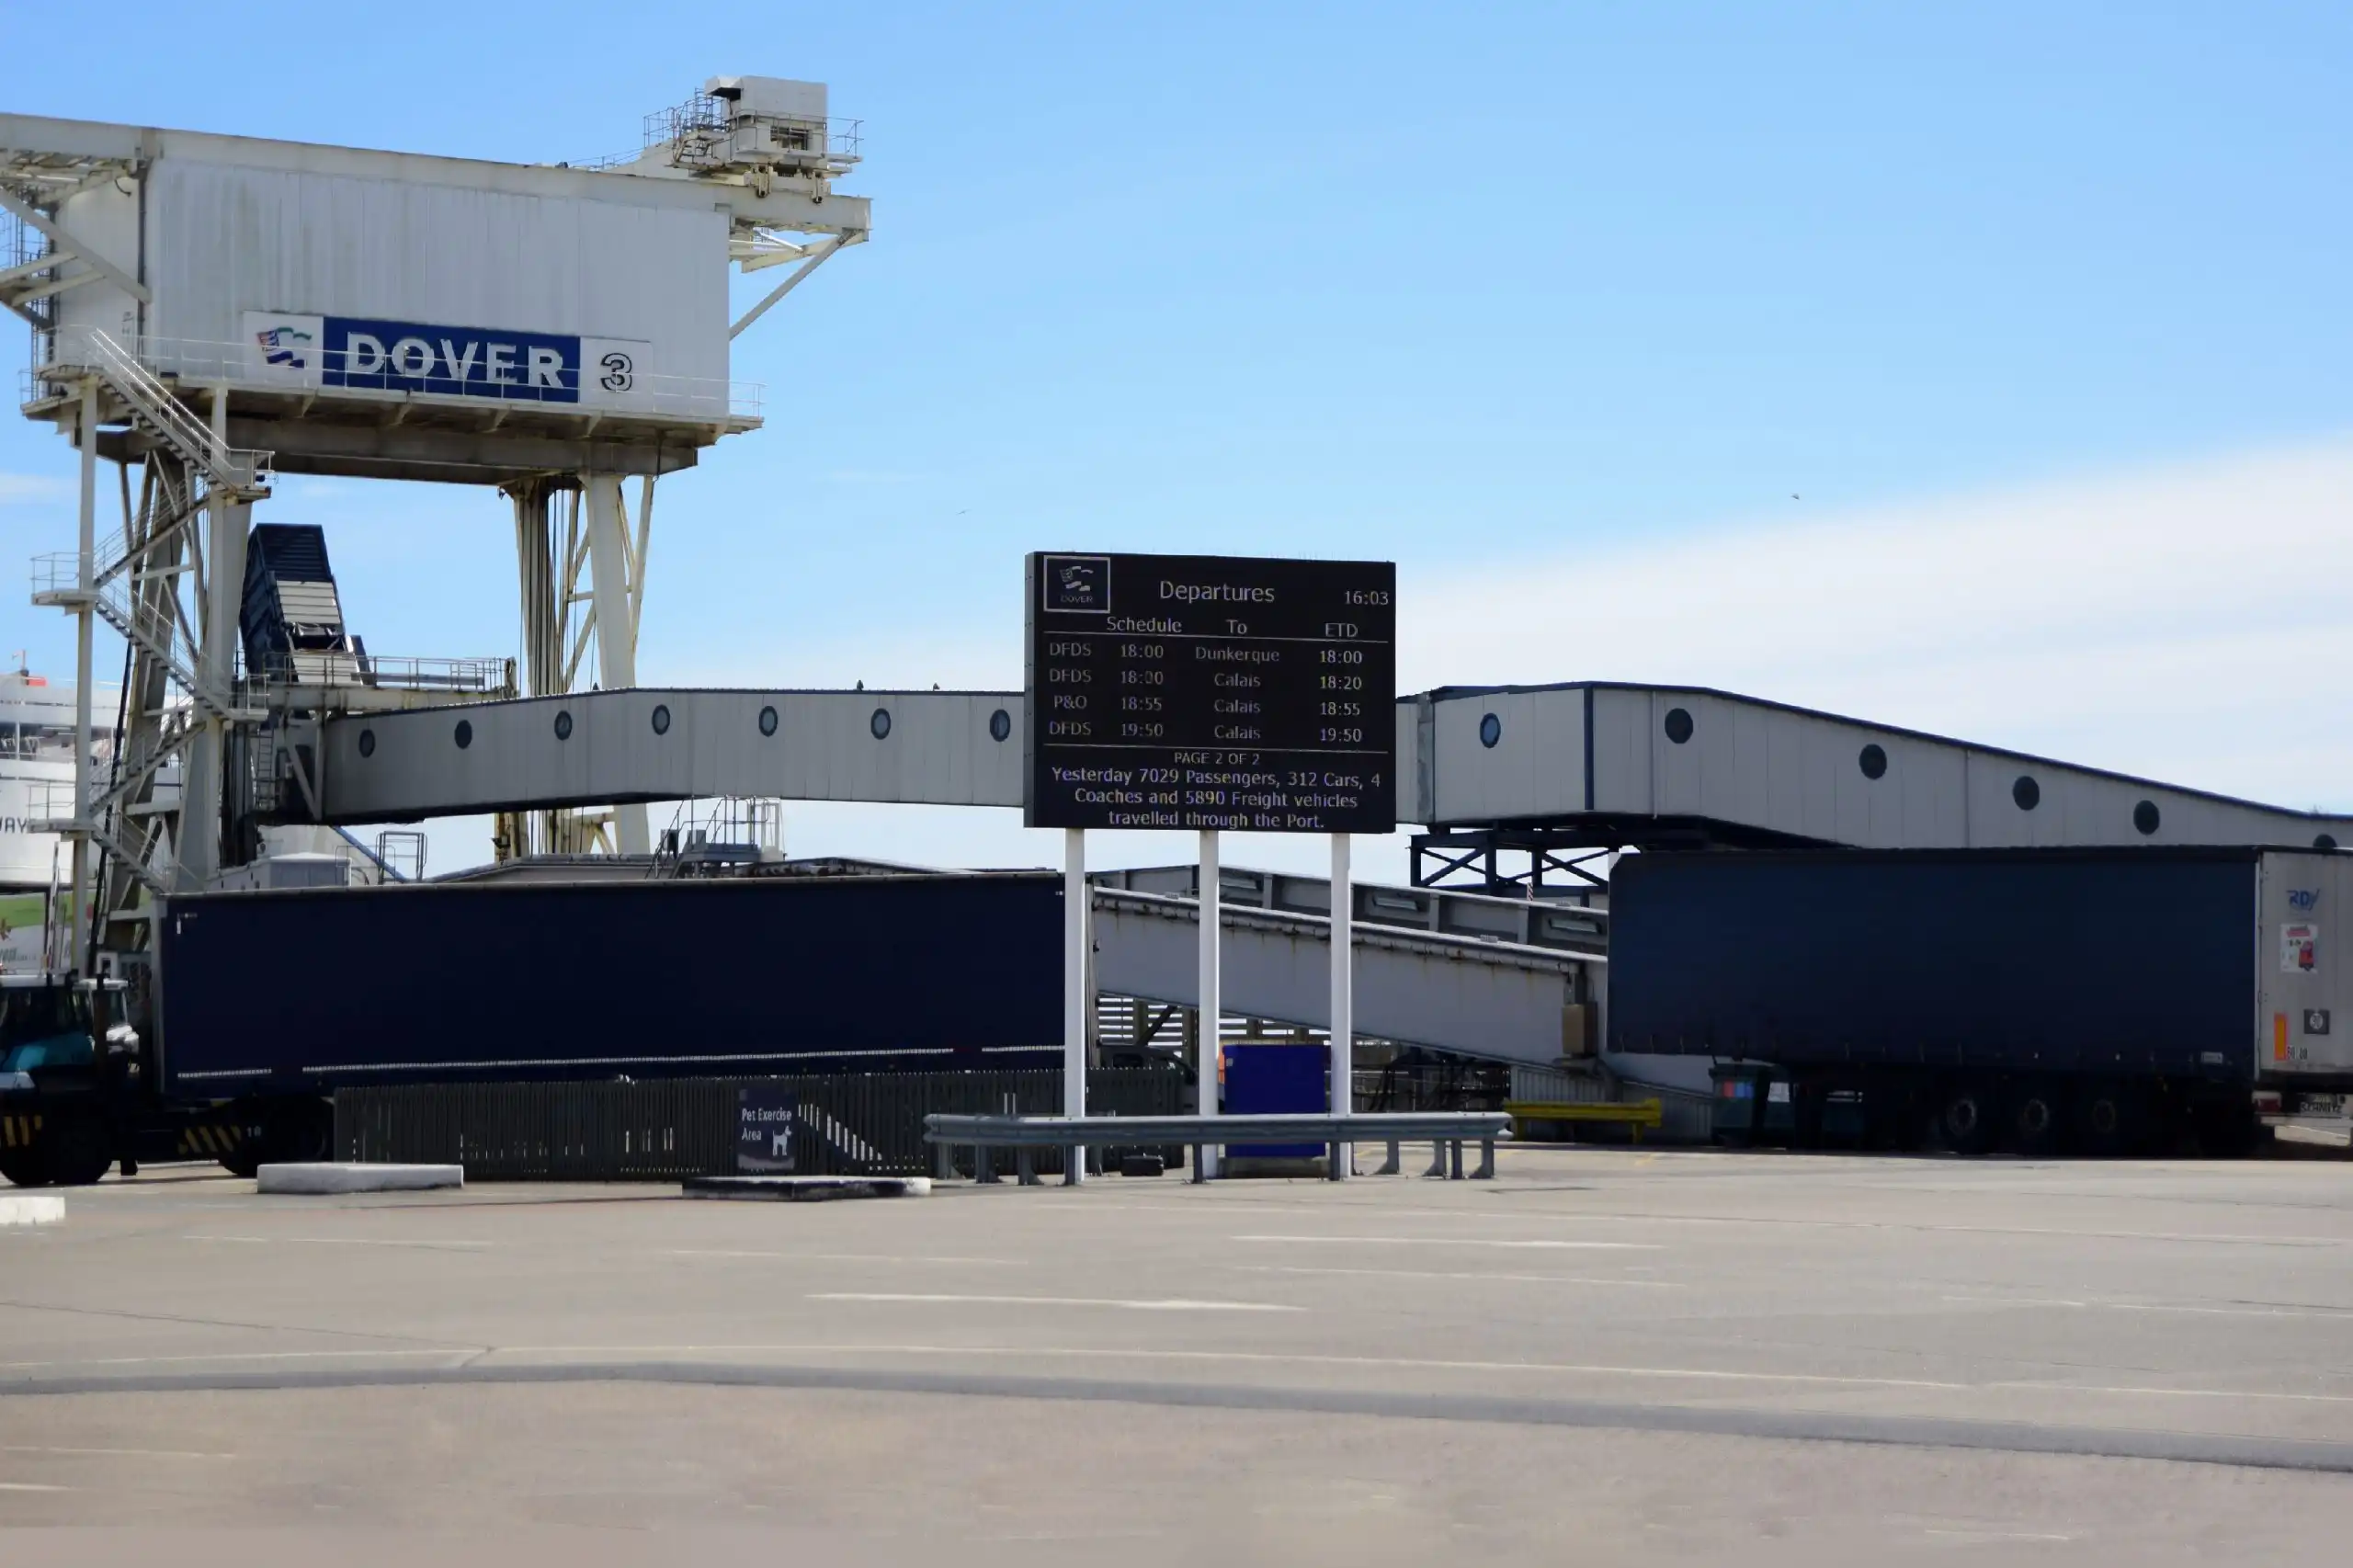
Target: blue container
column 1276, row 1079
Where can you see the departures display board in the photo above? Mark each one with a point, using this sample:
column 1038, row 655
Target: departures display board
column 1204, row 691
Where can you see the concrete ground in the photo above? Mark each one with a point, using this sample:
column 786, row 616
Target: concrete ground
column 1605, row 1355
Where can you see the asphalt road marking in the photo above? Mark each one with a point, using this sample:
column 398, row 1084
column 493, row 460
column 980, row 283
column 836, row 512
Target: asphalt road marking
column 30, row 1486
column 2335, row 1314
column 1431, row 1274
column 484, row 1355
column 346, row 1242
column 123, row 1453
column 1173, row 1305
column 837, row 1256
column 1462, row 1241
column 452, row 1351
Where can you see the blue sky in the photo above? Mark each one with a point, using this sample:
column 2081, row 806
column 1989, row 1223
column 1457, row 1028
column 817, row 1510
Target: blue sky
column 1557, row 294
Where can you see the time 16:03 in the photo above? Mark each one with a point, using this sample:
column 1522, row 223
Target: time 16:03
column 1364, row 596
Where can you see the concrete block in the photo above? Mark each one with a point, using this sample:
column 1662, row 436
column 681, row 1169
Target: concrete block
column 806, row 1188
column 325, row 1179
column 31, row 1208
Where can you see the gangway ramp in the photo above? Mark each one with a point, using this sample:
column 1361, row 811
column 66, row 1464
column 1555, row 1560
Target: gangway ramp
column 1424, row 974
column 1587, row 764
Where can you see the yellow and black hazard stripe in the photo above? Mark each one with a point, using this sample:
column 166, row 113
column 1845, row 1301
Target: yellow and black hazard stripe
column 19, row 1131
column 207, row 1139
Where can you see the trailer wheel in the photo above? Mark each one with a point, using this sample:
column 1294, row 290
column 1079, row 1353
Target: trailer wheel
column 1965, row 1119
column 245, row 1158
column 24, row 1166
column 77, row 1152
column 2103, row 1120
column 2035, row 1123
column 298, row 1132
column 2224, row 1131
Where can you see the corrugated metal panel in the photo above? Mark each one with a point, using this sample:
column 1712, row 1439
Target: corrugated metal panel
column 1447, row 1000
column 2305, row 1020
column 1538, row 754
column 244, row 238
column 106, row 219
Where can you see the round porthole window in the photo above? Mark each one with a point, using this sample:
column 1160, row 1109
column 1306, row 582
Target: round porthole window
column 562, row 723
column 1873, row 762
column 1000, row 724
column 1491, row 730
column 768, row 721
column 880, row 724
column 465, row 733
column 1678, row 724
column 368, row 744
column 2325, row 843
column 2026, row 792
column 2144, row 818
column 661, row 718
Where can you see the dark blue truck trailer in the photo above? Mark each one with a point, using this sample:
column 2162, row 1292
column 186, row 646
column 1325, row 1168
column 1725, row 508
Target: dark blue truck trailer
column 2102, row 1000
column 268, row 1000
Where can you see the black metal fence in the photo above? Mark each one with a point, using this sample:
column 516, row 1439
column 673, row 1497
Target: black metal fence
column 847, row 1123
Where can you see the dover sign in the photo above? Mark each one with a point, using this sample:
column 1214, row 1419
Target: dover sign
column 453, row 361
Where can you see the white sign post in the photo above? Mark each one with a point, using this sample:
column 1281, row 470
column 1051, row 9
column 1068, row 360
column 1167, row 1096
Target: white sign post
column 1205, row 1099
column 1344, row 1011
column 1075, row 909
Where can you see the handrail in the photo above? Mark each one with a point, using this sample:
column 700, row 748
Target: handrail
column 1368, row 933
column 244, row 473
column 56, row 578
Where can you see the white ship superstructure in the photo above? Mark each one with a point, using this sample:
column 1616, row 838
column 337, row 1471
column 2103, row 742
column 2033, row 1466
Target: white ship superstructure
column 37, row 771
column 36, row 783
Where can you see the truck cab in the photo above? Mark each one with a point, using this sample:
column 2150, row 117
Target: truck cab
column 65, row 1069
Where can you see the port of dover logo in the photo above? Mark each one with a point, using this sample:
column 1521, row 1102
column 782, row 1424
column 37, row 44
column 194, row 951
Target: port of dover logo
column 1079, row 584
column 284, row 348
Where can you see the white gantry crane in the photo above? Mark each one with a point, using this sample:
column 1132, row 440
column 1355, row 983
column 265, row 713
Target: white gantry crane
column 207, row 312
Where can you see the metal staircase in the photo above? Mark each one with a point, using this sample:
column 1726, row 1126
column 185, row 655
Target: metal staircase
column 157, row 633
column 233, row 474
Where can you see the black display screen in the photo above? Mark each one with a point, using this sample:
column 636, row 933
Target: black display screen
column 1204, row 691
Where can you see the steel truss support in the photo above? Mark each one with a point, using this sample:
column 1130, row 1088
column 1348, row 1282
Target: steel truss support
column 1479, row 862
column 134, row 807
column 1570, row 857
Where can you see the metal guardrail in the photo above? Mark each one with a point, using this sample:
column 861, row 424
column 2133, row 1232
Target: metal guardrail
column 1445, row 1131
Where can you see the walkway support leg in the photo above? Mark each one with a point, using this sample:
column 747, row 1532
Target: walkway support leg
column 615, row 595
column 86, row 572
column 1212, row 1004
column 1341, row 1099
column 1077, row 988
